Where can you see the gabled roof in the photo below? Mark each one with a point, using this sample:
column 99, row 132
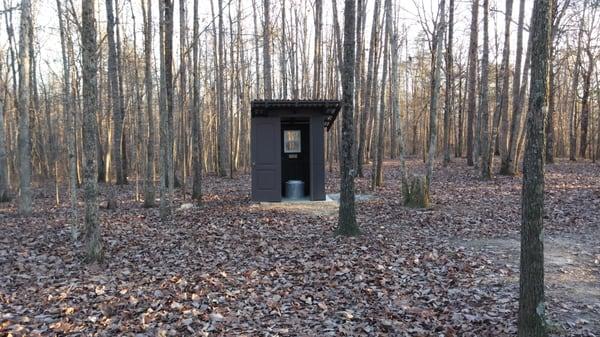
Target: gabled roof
column 329, row 108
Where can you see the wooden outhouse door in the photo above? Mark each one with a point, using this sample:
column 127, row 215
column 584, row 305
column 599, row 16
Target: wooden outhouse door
column 266, row 158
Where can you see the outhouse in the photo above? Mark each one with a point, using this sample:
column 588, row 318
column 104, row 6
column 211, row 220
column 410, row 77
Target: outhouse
column 287, row 146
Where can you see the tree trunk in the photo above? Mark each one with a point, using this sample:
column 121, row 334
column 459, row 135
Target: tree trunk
column 115, row 94
column 502, row 102
column 487, row 148
column 378, row 169
column 196, row 116
column 449, row 96
column 149, row 190
column 24, row 141
column 367, row 92
column 347, row 214
column 531, row 292
column 574, row 88
column 585, row 103
column 266, row 48
column 435, row 89
column 165, row 12
column 4, row 188
column 472, row 82
column 223, row 142
column 90, row 132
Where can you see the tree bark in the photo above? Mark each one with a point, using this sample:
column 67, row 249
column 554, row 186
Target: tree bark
column 531, row 291
column 223, row 142
column 93, row 242
column 149, row 189
column 266, row 49
column 367, row 89
column 4, row 187
column 115, row 94
column 196, row 115
column 472, row 82
column 449, row 96
column 24, row 140
column 435, row 89
column 487, row 148
column 347, row 214
column 502, row 102
column 574, row 88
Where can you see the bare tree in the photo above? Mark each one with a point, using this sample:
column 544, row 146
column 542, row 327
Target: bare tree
column 487, row 139
column 437, row 44
column 115, row 94
column 4, row 187
column 196, row 114
column 347, row 217
column 267, row 72
column 93, row 242
column 501, row 113
column 223, row 142
column 574, row 88
column 472, row 82
column 23, row 106
column 449, row 97
column 531, row 291
column 149, row 190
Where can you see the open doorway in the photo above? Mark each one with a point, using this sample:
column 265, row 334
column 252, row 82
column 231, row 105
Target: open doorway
column 295, row 152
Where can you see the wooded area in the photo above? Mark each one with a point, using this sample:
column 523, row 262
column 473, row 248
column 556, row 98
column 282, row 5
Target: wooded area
column 125, row 159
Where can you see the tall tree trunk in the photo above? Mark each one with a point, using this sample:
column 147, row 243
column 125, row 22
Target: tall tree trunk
column 378, row 170
column 24, row 140
column 115, row 94
column 266, row 49
column 149, row 190
column 90, row 131
column 487, row 139
column 347, row 214
column 449, row 97
column 67, row 111
column 166, row 84
column 318, row 49
column 223, row 137
column 515, row 129
column 531, row 291
column 502, row 101
column 4, row 188
column 283, row 52
column 196, row 115
column 438, row 43
column 367, row 91
column 472, row 82
column 585, row 106
column 557, row 16
column 574, row 88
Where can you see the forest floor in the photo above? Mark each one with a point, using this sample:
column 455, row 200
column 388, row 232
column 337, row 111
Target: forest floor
column 233, row 267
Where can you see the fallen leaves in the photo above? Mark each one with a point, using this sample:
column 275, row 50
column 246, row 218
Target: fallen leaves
column 229, row 268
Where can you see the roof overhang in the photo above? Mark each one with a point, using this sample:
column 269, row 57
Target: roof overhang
column 328, row 108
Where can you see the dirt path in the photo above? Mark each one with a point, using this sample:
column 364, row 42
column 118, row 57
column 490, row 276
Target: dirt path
column 572, row 275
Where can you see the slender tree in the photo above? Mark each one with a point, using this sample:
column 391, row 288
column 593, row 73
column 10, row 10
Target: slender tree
column 267, row 72
column 501, row 112
column 4, row 188
column 437, row 43
column 118, row 109
column 487, row 147
column 472, row 82
column 531, row 290
column 347, row 217
column 196, row 114
column 24, row 140
column 449, row 97
column 93, row 242
column 149, row 190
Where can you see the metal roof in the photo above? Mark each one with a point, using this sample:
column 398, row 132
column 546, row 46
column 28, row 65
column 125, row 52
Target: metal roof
column 329, row 108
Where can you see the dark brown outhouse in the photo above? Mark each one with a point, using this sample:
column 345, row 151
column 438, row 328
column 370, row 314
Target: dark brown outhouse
column 288, row 145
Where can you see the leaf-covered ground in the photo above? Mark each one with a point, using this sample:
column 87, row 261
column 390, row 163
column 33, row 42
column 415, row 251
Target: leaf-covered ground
column 232, row 267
